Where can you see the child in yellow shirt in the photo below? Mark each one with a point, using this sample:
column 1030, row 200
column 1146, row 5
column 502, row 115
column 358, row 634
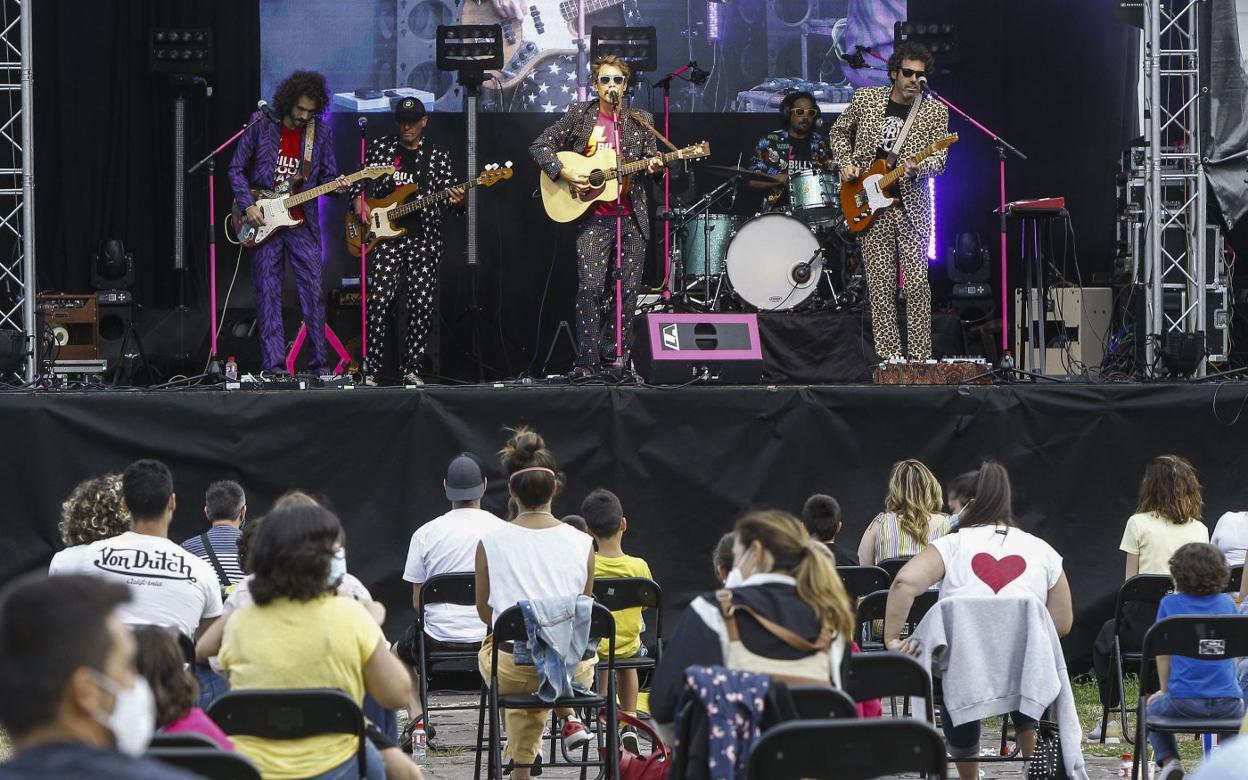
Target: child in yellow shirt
column 605, row 518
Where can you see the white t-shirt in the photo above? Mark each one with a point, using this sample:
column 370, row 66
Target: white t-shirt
column 1231, row 536
column 168, row 585
column 527, row 563
column 240, row 596
column 448, row 545
column 984, row 560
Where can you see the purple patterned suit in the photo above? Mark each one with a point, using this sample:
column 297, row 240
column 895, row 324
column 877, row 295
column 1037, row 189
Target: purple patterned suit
column 254, row 166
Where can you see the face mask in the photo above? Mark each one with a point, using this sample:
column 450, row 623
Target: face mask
column 133, row 719
column 337, row 567
column 953, row 521
column 735, row 578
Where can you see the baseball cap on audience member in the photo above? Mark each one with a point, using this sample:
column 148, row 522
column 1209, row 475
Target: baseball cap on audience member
column 409, row 110
column 463, row 479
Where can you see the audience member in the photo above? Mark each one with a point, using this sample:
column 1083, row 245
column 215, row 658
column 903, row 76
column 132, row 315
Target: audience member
column 225, row 508
column 94, row 511
column 533, row 557
column 174, row 689
column 788, row 579
column 70, row 699
column 170, row 587
column 722, row 559
column 957, row 563
column 961, row 491
column 911, row 517
column 1230, row 535
column 577, row 522
column 605, row 517
column 1191, row 688
column 446, row 545
column 298, row 634
column 821, row 515
column 1167, row 516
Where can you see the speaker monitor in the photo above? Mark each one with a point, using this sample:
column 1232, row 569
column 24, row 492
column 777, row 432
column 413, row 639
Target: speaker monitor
column 679, row 348
column 115, row 315
column 72, row 321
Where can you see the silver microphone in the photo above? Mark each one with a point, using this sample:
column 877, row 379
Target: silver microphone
column 923, row 84
column 362, row 121
column 268, row 111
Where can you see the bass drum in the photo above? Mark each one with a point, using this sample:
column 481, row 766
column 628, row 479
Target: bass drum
column 774, row 263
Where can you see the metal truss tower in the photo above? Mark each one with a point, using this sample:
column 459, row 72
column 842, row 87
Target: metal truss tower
column 17, row 182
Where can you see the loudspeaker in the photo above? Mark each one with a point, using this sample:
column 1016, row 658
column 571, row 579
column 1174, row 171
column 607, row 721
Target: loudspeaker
column 717, row 348
column 73, row 324
column 115, row 316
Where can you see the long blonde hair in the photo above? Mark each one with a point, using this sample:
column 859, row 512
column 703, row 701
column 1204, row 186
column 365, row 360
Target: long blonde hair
column 914, row 496
column 808, row 561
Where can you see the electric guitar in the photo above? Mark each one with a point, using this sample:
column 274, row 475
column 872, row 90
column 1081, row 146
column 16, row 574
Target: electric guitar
column 276, row 205
column 865, row 197
column 562, row 206
column 384, row 213
column 547, row 28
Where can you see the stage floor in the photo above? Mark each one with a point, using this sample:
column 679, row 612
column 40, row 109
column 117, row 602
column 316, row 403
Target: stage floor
column 685, row 462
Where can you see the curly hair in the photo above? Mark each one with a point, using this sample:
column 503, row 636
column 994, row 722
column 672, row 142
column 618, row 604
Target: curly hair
column 297, row 85
column 159, row 659
column 1171, row 490
column 1200, row 569
column 94, row 511
column 910, row 50
column 291, row 553
column 914, row 496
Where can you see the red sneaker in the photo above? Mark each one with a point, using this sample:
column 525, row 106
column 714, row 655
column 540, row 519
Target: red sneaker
column 574, row 733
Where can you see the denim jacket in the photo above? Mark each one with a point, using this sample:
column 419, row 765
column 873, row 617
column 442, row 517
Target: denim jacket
column 558, row 631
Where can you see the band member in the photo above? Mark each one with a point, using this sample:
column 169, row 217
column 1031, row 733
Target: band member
column 407, row 266
column 798, row 146
column 585, row 128
column 268, row 154
column 899, row 236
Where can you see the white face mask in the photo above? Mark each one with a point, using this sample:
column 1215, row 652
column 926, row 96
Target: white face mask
column 337, row 567
column 735, row 578
column 133, row 719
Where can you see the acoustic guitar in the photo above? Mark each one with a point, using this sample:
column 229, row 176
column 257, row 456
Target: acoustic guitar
column 563, row 206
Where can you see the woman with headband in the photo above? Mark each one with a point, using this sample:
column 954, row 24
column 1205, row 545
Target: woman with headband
column 535, row 556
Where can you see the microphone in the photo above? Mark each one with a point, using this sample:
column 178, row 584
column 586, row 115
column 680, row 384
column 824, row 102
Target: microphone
column 362, row 121
column 697, row 76
column 923, row 85
column 614, row 94
column 268, row 111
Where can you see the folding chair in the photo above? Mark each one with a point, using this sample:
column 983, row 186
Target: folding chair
column 509, row 627
column 1140, row 589
column 182, row 739
column 861, row 580
column 291, row 714
column 1203, row 638
column 822, row 702
column 212, row 763
column 1237, row 577
column 617, row 593
column 847, row 750
column 893, row 565
column 885, row 675
column 457, row 588
column 871, row 608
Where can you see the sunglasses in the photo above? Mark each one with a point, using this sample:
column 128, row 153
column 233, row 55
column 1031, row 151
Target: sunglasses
column 913, row 73
column 604, row 80
column 800, row 112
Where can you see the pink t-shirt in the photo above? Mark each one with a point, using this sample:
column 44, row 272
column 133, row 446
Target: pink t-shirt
column 604, row 136
column 196, row 721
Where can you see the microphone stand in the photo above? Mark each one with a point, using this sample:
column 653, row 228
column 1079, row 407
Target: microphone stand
column 210, row 161
column 619, row 238
column 364, row 363
column 1002, row 147
column 665, row 84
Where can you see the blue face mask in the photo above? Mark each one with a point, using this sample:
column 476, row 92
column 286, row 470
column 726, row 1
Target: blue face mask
column 337, row 567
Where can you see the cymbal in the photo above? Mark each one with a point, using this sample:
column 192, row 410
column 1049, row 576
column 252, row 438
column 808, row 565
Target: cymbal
column 732, row 170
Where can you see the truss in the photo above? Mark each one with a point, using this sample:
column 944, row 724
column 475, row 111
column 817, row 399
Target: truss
column 17, row 219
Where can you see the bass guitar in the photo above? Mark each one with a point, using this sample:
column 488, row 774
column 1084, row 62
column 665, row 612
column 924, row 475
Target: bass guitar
column 276, row 205
column 873, row 191
column 563, row 206
column 385, row 213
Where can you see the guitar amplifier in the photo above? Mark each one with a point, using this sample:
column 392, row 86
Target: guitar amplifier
column 74, row 325
column 679, row 348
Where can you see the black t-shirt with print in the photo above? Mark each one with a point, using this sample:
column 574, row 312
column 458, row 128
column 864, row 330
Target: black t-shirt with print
column 894, row 117
column 408, row 168
column 801, row 155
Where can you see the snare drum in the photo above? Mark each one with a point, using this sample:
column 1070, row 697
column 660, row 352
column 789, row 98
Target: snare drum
column 703, row 244
column 774, row 262
column 814, row 197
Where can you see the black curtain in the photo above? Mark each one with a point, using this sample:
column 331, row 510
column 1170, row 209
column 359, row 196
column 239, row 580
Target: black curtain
column 104, row 151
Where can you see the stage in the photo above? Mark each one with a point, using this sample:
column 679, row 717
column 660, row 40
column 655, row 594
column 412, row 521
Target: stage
column 685, row 461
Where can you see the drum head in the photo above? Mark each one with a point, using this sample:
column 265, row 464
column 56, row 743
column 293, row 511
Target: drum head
column 767, row 262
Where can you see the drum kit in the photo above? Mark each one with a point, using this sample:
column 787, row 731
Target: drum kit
column 796, row 257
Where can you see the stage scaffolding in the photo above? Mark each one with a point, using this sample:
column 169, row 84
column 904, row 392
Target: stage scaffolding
column 17, row 182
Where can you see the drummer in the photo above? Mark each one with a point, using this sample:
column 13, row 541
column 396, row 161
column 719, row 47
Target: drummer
column 797, row 146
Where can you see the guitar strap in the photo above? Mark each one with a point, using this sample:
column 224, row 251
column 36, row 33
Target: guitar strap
column 905, row 131
column 309, row 135
column 635, row 114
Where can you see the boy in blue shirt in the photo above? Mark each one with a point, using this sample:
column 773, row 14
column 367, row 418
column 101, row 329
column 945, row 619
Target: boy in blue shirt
column 1191, row 688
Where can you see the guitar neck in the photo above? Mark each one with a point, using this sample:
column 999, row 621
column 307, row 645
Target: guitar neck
column 897, row 172
column 428, row 200
column 629, row 169
column 567, row 8
column 300, row 198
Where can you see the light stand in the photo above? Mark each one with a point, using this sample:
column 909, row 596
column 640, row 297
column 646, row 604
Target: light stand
column 697, row 77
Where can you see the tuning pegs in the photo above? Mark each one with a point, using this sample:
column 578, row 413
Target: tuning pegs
column 507, row 164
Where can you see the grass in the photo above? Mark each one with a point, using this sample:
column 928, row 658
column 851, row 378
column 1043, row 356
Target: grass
column 1088, row 704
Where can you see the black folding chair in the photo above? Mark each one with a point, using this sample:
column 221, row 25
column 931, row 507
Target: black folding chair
column 871, row 608
column 291, row 714
column 212, row 763
column 508, row 629
column 1203, row 638
column 861, row 580
column 847, row 750
column 893, row 565
column 182, row 739
column 822, row 702
column 886, row 675
column 1140, row 589
column 1237, row 577
column 458, row 588
column 617, row 593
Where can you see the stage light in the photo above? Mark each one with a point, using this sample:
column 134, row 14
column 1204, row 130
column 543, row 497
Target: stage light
column 185, row 51
column 469, row 48
column 1183, row 352
column 712, row 20
column 969, row 260
column 638, row 46
column 931, row 237
column 940, row 38
column 112, row 267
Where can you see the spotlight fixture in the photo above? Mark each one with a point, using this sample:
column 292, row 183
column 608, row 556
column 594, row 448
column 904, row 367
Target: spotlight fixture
column 112, row 267
column 940, row 38
column 188, row 51
column 469, row 48
column 638, row 46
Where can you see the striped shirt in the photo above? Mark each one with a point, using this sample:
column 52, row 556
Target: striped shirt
column 224, row 541
column 893, row 542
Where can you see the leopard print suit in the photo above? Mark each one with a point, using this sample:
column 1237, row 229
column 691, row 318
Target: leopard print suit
column 898, row 236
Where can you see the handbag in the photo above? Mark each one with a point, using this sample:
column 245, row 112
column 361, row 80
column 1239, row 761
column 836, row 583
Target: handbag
column 1046, row 761
column 633, row 767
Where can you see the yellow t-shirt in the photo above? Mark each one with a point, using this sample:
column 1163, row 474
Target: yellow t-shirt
column 1155, row 539
column 628, row 623
column 323, row 643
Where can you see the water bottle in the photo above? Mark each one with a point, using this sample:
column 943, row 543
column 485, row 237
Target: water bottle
column 231, row 369
column 419, row 746
column 1124, row 767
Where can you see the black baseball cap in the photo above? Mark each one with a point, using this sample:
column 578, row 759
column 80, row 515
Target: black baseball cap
column 409, row 109
column 463, row 478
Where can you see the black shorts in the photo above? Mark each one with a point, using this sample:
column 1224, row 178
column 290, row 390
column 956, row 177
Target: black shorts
column 407, row 649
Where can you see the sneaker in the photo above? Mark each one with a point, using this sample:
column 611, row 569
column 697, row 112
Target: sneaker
column 629, row 742
column 412, row 378
column 1171, row 771
column 1113, row 733
column 574, row 733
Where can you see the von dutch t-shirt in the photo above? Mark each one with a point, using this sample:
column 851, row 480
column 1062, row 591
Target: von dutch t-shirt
column 288, row 158
column 604, row 137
